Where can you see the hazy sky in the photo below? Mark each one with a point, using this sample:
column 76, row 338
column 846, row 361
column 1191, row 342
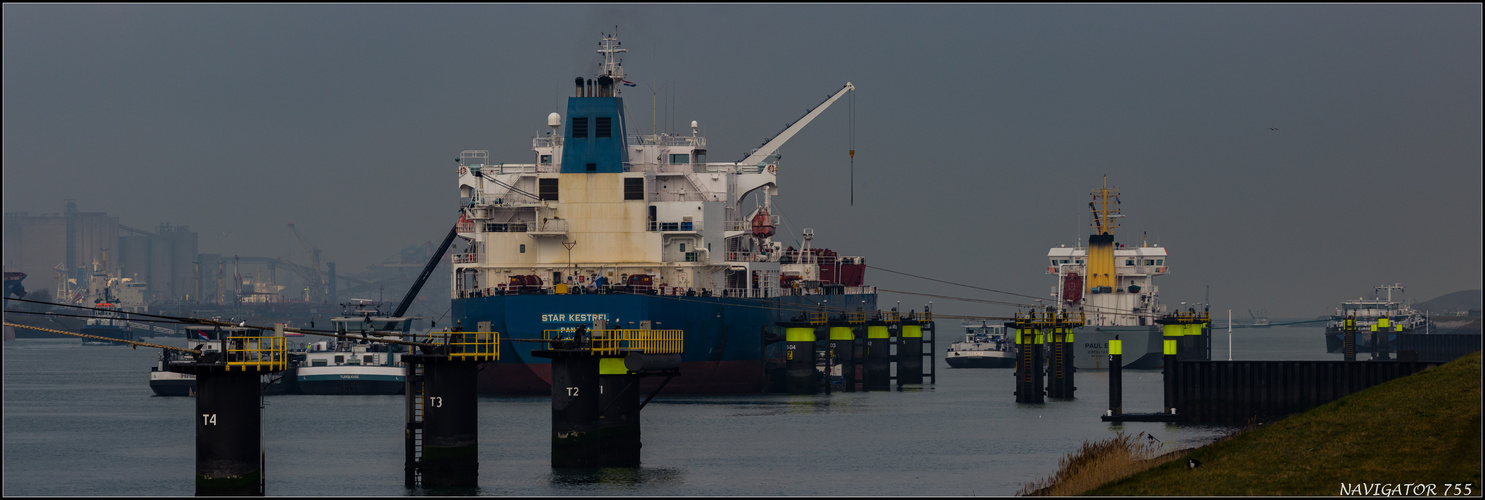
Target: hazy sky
column 979, row 129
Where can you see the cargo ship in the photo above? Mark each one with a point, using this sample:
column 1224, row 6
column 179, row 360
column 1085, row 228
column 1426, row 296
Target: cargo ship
column 1382, row 316
column 1112, row 286
column 608, row 230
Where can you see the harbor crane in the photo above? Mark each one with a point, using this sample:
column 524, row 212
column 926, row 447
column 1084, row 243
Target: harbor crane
column 317, row 293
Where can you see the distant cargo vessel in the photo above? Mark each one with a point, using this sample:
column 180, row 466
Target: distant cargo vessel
column 1373, row 315
column 617, row 231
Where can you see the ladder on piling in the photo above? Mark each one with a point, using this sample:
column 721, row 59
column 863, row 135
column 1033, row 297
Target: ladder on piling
column 416, row 408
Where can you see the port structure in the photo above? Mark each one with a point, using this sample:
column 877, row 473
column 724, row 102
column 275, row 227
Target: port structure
column 595, row 390
column 229, row 410
column 1040, row 335
column 442, row 436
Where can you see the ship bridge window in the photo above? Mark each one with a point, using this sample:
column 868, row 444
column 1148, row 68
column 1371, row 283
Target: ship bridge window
column 546, row 159
column 1129, row 262
column 1149, row 262
column 546, row 189
column 1159, row 262
column 580, row 128
column 634, row 188
column 680, row 159
column 604, row 127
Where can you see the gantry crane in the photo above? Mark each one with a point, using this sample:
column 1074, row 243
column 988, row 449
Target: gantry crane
column 317, row 293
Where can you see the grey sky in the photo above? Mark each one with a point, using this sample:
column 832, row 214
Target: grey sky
column 979, row 129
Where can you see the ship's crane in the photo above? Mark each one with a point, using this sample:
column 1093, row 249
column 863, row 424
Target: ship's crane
column 318, row 293
column 772, row 146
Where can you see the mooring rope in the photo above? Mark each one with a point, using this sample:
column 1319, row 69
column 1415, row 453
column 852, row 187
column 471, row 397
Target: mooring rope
column 132, row 343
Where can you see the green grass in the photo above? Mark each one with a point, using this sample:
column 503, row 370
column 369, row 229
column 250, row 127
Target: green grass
column 1424, row 428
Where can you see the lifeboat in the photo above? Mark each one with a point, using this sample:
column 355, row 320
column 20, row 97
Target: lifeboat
column 762, row 224
column 1072, row 287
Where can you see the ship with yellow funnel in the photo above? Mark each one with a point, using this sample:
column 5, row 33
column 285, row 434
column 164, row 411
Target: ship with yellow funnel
column 1112, row 286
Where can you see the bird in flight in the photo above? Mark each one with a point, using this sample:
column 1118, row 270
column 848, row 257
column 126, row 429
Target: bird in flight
column 1272, row 128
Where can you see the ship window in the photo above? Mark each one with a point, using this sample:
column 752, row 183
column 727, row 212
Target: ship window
column 579, row 128
column 603, row 127
column 546, row 159
column 634, row 188
column 523, row 248
column 1159, row 262
column 683, row 247
column 701, row 156
column 679, row 159
column 1128, row 262
column 547, row 189
column 1149, row 262
column 592, row 167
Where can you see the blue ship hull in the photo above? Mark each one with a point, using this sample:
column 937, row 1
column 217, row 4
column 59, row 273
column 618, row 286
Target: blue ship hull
column 729, row 341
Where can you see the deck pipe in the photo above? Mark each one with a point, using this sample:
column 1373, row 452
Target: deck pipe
column 618, row 414
column 229, row 430
column 910, row 354
column 800, row 376
column 1060, row 368
column 1029, row 362
column 842, row 345
column 450, row 426
column 1116, row 377
column 878, row 365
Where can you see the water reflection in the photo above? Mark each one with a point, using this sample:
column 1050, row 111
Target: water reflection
column 625, row 477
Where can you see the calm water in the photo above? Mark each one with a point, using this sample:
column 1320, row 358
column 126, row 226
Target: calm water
column 81, row 421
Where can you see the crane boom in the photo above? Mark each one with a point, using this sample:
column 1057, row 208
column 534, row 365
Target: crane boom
column 773, row 145
column 427, row 270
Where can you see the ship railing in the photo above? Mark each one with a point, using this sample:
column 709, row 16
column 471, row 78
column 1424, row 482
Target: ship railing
column 856, row 317
column 257, row 353
column 892, row 317
column 682, row 226
column 816, row 318
column 667, row 140
column 729, row 168
column 739, row 225
column 613, row 341
column 471, row 346
column 518, row 168
column 746, row 257
column 752, row 293
column 466, row 258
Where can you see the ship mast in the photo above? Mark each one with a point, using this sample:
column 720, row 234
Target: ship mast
column 608, row 46
column 1103, row 217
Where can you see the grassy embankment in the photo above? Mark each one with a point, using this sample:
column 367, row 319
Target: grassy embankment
column 1420, row 429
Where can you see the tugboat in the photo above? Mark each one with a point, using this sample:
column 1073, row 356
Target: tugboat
column 610, row 230
column 985, row 345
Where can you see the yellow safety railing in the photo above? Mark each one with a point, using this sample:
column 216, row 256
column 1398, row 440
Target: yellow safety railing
column 856, row 317
column 892, row 316
column 473, row 346
column 816, row 318
column 614, row 341
column 1189, row 318
column 258, row 353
